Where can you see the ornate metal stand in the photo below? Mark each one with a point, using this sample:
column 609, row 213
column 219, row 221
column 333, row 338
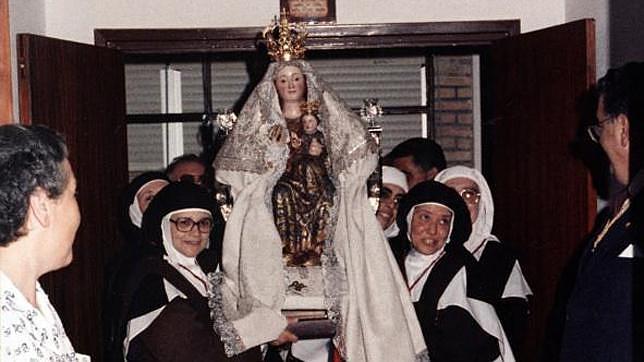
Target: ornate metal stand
column 214, row 131
column 370, row 112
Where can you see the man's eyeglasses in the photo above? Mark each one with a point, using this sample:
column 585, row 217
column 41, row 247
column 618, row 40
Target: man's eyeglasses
column 195, row 179
column 595, row 131
column 470, row 196
column 186, row 224
column 388, row 195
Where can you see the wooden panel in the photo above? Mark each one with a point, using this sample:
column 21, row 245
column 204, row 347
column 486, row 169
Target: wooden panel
column 545, row 203
column 321, row 37
column 79, row 90
column 6, row 108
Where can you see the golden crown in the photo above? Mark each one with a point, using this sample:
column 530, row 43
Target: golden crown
column 289, row 44
column 311, row 107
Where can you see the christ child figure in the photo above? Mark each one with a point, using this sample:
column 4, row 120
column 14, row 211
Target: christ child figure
column 312, row 139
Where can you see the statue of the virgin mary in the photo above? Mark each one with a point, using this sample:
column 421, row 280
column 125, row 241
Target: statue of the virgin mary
column 354, row 279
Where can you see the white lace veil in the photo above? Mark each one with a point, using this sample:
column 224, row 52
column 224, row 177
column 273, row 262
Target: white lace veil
column 246, row 148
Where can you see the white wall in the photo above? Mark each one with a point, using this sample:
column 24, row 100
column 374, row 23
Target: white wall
column 76, row 19
column 533, row 14
column 599, row 10
column 25, row 16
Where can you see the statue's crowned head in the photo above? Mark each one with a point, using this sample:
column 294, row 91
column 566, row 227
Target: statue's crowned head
column 310, row 108
column 285, row 41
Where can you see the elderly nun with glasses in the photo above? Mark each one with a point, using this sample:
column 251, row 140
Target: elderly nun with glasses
column 503, row 282
column 458, row 325
column 166, row 316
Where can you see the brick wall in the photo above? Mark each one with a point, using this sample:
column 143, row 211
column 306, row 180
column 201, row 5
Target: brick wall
column 453, row 108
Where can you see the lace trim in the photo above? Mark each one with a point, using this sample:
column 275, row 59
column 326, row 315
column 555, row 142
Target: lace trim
column 232, row 341
column 348, row 138
column 335, row 281
column 245, row 149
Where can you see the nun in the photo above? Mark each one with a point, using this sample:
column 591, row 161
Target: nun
column 394, row 186
column 135, row 200
column 167, row 313
column 456, row 323
column 505, row 286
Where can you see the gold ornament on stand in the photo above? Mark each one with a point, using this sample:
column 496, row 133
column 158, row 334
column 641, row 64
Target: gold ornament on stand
column 285, row 41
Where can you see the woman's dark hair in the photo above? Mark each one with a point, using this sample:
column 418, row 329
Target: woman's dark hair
column 187, row 158
column 426, row 153
column 31, row 157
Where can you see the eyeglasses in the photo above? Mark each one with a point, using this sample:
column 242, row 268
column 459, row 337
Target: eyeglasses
column 595, row 131
column 470, row 196
column 388, row 195
column 186, row 224
column 195, row 179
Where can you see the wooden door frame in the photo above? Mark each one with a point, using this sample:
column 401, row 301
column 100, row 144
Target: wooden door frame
column 89, row 110
column 448, row 35
column 536, row 117
column 6, row 98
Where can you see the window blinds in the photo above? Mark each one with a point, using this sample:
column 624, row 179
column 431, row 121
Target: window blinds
column 394, row 81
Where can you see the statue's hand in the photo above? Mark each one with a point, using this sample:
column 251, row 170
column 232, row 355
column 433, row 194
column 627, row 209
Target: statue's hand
column 278, row 134
column 296, row 141
column 286, row 336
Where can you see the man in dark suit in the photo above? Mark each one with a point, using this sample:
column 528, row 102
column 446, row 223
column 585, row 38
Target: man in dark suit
column 602, row 321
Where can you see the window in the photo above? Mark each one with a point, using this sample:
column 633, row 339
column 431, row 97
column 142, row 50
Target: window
column 396, row 82
column 448, row 47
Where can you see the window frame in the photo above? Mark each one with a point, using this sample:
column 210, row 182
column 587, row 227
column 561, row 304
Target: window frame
column 460, row 37
column 450, row 35
column 430, row 38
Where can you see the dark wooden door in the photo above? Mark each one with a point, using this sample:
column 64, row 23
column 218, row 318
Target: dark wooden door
column 536, row 88
column 79, row 90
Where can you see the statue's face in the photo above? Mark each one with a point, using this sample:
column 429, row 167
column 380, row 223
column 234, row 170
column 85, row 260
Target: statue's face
column 309, row 124
column 290, row 84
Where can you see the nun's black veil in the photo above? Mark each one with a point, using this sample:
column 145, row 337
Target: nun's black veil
column 178, row 196
column 132, row 233
column 175, row 196
column 435, row 192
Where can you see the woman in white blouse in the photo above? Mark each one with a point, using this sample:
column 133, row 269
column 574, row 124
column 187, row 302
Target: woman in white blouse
column 39, row 217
